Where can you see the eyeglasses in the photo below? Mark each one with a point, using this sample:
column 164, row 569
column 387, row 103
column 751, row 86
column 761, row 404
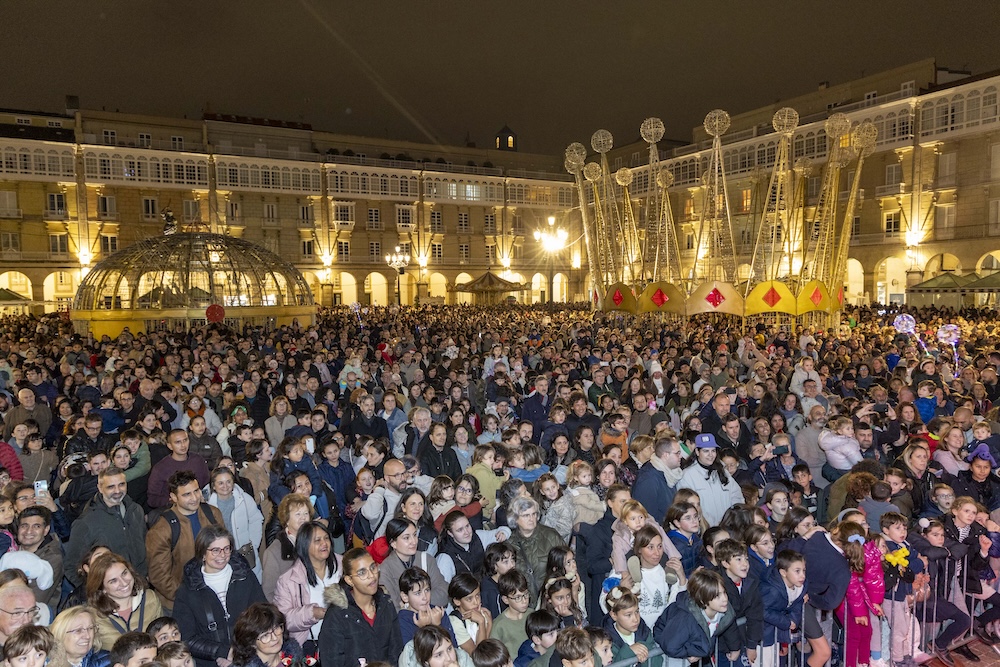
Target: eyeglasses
column 21, row 614
column 79, row 632
column 271, row 635
column 463, row 489
column 520, row 597
column 946, row 496
column 366, row 573
column 220, row 551
column 24, row 499
column 528, row 514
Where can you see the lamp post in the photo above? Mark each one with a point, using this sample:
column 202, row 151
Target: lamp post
column 398, row 261
column 553, row 241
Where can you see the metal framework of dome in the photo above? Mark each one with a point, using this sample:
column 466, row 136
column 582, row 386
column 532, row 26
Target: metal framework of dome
column 177, row 276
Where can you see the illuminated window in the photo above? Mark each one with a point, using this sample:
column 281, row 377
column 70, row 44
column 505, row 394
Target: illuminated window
column 437, row 252
column 892, row 223
column 510, row 142
column 56, row 203
column 746, row 198
column 689, row 242
column 689, row 207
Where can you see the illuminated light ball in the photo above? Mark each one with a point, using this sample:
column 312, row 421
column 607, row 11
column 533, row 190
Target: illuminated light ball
column 592, row 172
column 904, row 324
column 837, row 125
column 846, row 154
column 602, row 141
column 665, row 178
column 717, row 122
column 949, row 334
column 623, row 177
column 804, row 165
column 576, row 155
column 785, row 120
column 356, row 306
column 651, row 130
column 863, row 138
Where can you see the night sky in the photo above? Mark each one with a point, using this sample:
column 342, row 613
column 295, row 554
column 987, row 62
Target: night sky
column 438, row 70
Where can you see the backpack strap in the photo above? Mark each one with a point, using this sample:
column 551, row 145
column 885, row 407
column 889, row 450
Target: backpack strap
column 175, row 527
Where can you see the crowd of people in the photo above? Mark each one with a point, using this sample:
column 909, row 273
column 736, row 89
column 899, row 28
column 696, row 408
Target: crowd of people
column 487, row 486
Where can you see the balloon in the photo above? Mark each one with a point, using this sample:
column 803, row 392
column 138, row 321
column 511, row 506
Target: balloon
column 905, row 324
column 949, row 333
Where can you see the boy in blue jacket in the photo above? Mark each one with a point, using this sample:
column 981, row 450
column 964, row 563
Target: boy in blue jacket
column 782, row 590
column 690, row 627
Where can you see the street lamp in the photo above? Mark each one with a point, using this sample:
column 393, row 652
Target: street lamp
column 398, row 260
column 553, row 241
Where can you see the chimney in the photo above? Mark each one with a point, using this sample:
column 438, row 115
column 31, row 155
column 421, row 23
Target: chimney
column 72, row 104
column 823, row 85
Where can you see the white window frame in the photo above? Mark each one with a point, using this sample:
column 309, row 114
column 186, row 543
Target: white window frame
column 59, row 244
column 109, row 244
column 892, row 224
column 437, row 252
column 375, row 250
column 150, row 208
column 464, row 226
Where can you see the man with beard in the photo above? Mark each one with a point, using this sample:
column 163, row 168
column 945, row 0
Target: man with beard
column 381, row 504
column 111, row 519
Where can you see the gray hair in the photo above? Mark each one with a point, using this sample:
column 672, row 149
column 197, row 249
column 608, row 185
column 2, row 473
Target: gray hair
column 519, row 506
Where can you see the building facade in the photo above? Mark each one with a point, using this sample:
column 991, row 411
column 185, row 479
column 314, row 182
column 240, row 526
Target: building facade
column 78, row 186
column 930, row 194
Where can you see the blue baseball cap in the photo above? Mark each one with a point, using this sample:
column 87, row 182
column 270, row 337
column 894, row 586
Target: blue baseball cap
column 705, row 441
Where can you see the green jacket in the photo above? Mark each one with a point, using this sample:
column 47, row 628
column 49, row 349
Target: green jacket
column 533, row 554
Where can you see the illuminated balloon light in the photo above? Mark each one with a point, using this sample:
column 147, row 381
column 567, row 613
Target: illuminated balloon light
column 905, row 324
column 949, row 334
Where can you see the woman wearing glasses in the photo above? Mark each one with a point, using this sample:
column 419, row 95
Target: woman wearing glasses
column 360, row 620
column 77, row 643
column 259, row 638
column 218, row 585
column 299, row 593
column 121, row 597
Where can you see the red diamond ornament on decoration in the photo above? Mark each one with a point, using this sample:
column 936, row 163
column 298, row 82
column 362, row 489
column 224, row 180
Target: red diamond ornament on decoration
column 715, row 297
column 659, row 298
column 816, row 296
column 618, row 297
column 840, row 295
column 772, row 297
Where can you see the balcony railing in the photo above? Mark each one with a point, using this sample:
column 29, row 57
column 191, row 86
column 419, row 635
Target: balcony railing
column 404, row 227
column 55, row 214
column 107, row 215
column 305, row 222
column 344, row 225
column 948, row 181
column 10, row 213
column 270, row 222
column 890, row 189
column 844, row 194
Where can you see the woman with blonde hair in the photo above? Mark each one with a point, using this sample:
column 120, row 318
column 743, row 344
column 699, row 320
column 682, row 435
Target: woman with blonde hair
column 77, row 641
column 281, row 419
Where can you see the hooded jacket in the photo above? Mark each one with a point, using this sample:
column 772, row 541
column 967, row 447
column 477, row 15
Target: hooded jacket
column 247, row 522
column 346, row 636
column 746, row 605
column 205, row 626
column 623, row 651
column 682, row 631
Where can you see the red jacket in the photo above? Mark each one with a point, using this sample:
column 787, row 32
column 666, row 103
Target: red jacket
column 9, row 460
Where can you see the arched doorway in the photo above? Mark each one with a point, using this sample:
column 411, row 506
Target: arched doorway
column 348, row 288
column 938, row 264
column 376, row 289
column 16, row 282
column 989, row 263
column 854, row 285
column 539, row 289
column 890, row 280
column 560, row 287
column 58, row 290
column 463, row 297
column 438, row 287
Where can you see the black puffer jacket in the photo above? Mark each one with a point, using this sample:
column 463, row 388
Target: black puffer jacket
column 347, row 636
column 205, row 626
